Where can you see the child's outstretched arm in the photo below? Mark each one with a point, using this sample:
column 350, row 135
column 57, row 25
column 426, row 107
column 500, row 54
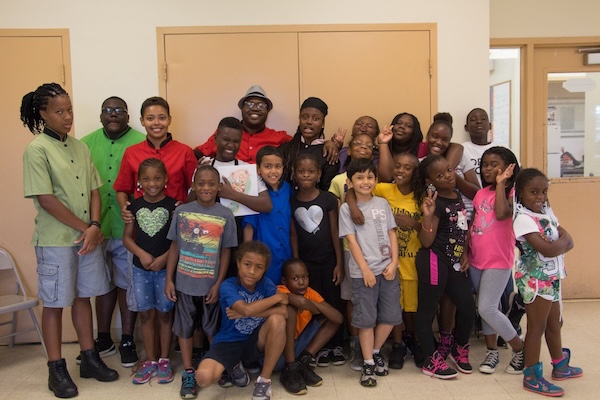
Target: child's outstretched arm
column 357, row 216
column 338, row 270
column 502, row 206
column 261, row 203
column 430, row 222
column 469, row 185
column 454, row 154
column 385, row 165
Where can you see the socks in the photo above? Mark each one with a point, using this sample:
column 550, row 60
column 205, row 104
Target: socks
column 261, row 379
column 370, row 362
column 125, row 338
column 556, row 361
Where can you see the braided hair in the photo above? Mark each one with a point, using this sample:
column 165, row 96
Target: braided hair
column 33, row 102
column 508, row 157
column 417, row 136
column 423, row 174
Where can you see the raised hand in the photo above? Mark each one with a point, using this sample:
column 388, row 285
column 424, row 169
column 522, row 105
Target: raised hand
column 429, row 203
column 502, row 177
column 386, row 135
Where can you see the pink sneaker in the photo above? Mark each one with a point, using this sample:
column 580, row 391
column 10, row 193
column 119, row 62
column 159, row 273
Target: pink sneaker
column 145, row 372
column 165, row 371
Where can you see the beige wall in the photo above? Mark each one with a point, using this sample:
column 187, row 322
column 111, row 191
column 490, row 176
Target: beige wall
column 113, row 43
column 543, row 18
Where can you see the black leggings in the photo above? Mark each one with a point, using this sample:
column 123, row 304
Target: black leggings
column 320, row 279
column 456, row 285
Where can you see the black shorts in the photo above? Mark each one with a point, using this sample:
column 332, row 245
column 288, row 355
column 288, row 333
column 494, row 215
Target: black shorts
column 229, row 354
column 192, row 312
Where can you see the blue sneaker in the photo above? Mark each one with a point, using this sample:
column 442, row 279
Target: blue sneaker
column 533, row 381
column 188, row 384
column 563, row 370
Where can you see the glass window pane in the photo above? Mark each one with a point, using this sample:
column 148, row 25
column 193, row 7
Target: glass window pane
column 573, row 124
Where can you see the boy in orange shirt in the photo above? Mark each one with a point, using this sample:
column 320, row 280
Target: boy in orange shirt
column 311, row 323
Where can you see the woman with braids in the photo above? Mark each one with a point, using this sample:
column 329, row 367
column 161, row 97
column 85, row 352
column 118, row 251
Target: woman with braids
column 60, row 177
column 309, row 138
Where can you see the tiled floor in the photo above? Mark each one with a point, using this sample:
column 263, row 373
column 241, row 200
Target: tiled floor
column 23, row 374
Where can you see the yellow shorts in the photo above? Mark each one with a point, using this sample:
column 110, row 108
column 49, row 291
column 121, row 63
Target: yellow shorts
column 409, row 295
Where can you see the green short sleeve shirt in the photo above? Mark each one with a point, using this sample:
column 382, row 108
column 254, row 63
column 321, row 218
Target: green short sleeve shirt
column 63, row 169
column 107, row 154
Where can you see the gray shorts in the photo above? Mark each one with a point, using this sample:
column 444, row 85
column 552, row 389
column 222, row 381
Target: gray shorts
column 119, row 261
column 192, row 312
column 377, row 305
column 64, row 275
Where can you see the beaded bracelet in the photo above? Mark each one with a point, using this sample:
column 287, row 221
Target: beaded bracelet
column 425, row 229
column 96, row 223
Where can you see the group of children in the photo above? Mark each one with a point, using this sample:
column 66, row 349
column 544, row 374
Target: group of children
column 405, row 245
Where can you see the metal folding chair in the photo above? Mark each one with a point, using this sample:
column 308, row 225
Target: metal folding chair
column 12, row 303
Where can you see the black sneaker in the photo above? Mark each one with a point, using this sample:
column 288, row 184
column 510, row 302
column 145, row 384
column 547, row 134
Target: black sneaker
column 397, row 356
column 437, row 367
column 308, row 371
column 105, row 349
column 367, row 377
column 337, row 356
column 225, row 380
column 324, row 358
column 460, row 355
column 415, row 350
column 380, row 366
column 292, row 380
column 128, row 354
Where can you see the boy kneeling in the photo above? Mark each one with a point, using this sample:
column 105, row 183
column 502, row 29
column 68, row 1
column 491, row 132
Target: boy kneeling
column 305, row 335
column 254, row 315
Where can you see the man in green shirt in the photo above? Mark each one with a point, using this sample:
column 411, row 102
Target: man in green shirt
column 107, row 146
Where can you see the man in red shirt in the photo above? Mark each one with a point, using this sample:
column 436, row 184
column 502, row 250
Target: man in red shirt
column 255, row 107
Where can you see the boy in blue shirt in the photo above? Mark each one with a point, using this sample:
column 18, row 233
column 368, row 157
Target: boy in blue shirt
column 272, row 228
column 253, row 319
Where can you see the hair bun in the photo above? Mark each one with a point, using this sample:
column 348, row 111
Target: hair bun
column 443, row 117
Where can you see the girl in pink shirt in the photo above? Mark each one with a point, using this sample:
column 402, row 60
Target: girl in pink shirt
column 491, row 254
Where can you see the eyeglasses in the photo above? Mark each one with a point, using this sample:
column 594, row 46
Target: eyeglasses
column 259, row 106
column 361, row 144
column 116, row 110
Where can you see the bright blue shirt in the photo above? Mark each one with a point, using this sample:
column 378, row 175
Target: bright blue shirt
column 231, row 291
column 273, row 229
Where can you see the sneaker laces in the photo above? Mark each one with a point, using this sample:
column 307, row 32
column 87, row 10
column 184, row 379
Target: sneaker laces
column 517, row 359
column 491, row 358
column 438, row 364
column 463, row 353
column 338, row 351
column 188, row 380
column 323, row 353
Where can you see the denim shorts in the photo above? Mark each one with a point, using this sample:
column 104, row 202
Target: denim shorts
column 64, row 275
column 301, row 342
column 119, row 262
column 147, row 291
